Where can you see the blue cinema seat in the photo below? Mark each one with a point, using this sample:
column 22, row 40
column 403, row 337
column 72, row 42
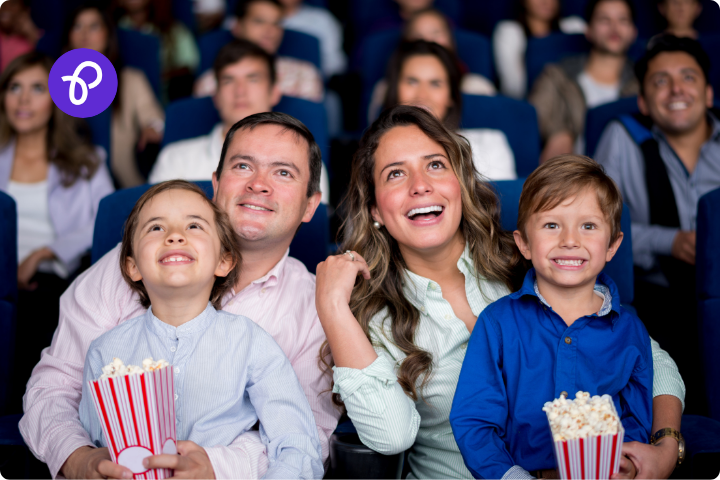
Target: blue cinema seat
column 204, row 117
column 142, row 51
column 310, row 244
column 597, row 119
column 515, row 118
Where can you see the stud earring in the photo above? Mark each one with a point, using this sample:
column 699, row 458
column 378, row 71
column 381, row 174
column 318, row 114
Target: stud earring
column 377, row 225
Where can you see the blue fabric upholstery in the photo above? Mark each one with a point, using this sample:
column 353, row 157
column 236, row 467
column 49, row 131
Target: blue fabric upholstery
column 142, row 51
column 517, row 120
column 294, row 44
column 364, row 14
column 100, row 127
column 182, row 10
column 204, row 117
column 702, row 448
column 597, row 119
column 9, row 431
column 708, row 285
column 8, row 291
column 620, row 268
column 711, row 44
column 310, row 245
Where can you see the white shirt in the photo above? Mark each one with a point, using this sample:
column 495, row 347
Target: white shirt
column 35, row 229
column 595, row 94
column 320, row 23
column 197, row 159
column 492, row 154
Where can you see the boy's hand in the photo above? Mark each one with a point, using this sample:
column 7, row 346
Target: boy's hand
column 627, row 469
column 652, row 461
column 192, row 461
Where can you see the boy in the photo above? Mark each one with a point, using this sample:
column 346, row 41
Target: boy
column 180, row 253
column 562, row 332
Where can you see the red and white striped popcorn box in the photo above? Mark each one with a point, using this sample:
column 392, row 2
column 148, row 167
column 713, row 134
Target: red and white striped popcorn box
column 596, row 456
column 137, row 414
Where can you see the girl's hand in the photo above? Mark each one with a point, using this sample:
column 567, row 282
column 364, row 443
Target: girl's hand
column 335, row 279
column 29, row 266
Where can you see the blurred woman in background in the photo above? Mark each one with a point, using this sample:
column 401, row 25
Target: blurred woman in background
column 137, row 118
column 57, row 180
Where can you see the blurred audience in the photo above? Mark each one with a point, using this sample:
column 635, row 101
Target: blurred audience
column 137, row 116
column 179, row 55
column 680, row 16
column 661, row 180
column 18, row 33
column 405, row 10
column 425, row 74
column 57, row 181
column 535, row 19
column 260, row 21
column 246, row 79
column 319, row 23
column 564, row 92
column 208, row 13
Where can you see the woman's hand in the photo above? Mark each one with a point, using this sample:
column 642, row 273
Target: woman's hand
column 335, row 279
column 29, row 266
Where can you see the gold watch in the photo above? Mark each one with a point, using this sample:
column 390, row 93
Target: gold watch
column 671, row 432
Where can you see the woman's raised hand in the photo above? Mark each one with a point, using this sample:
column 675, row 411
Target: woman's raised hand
column 336, row 278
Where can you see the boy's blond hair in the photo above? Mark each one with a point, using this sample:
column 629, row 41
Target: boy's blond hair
column 563, row 177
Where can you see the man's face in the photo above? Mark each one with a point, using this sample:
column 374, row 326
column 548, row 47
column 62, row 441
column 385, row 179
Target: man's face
column 244, row 89
column 676, row 94
column 261, row 25
column 611, row 29
column 263, row 185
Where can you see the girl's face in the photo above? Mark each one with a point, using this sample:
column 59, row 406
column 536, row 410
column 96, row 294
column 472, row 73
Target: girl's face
column 27, row 101
column 89, row 31
column 417, row 195
column 424, row 82
column 431, row 28
column 176, row 245
column 544, row 10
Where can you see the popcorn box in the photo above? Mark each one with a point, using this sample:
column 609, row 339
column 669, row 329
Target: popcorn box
column 595, row 456
column 137, row 414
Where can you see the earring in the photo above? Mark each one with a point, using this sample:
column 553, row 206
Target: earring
column 377, row 225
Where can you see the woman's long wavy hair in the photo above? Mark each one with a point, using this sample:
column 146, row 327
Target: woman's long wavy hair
column 68, row 140
column 493, row 250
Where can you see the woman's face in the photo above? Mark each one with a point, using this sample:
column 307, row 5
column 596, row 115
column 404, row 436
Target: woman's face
column 89, row 31
column 424, row 82
column 27, row 101
column 544, row 10
column 417, row 195
column 431, row 28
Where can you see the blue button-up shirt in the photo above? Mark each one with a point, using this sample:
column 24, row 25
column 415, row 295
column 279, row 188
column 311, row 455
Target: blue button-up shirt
column 229, row 373
column 522, row 354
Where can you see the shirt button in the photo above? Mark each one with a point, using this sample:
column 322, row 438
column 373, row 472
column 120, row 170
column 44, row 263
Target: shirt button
column 422, row 309
column 448, row 317
column 432, row 286
column 563, row 394
column 177, row 371
column 177, row 396
column 463, row 346
column 568, row 340
column 172, row 349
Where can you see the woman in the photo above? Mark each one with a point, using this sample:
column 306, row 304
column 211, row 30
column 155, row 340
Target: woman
column 424, row 233
column 680, row 16
column 426, row 74
column 535, row 19
column 137, row 117
column 57, row 181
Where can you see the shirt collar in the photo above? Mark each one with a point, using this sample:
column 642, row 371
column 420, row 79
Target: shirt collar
column 604, row 286
column 416, row 287
column 197, row 324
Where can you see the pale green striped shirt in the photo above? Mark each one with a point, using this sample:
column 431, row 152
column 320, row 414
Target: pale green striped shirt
column 389, row 422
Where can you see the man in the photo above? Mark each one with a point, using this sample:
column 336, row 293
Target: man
column 267, row 181
column 246, row 77
column 260, row 21
column 564, row 92
column 662, row 174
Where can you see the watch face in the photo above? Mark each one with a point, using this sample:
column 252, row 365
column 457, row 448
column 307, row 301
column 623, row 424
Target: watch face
column 681, row 452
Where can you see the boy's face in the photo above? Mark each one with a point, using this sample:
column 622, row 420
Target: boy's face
column 569, row 245
column 176, row 245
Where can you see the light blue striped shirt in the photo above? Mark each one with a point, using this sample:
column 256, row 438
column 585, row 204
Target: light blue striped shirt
column 229, row 373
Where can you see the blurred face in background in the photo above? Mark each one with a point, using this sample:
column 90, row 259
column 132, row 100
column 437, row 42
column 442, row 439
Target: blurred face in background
column 244, row 88
column 544, row 10
column 424, row 82
column 89, row 31
column 9, row 13
column 611, row 28
column 408, row 7
column 431, row 28
column 133, row 6
column 27, row 101
column 680, row 14
column 262, row 25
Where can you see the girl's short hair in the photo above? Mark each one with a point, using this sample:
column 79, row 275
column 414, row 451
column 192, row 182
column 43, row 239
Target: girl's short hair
column 229, row 241
column 563, row 177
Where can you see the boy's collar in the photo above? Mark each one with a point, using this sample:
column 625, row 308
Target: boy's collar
column 603, row 285
column 163, row 329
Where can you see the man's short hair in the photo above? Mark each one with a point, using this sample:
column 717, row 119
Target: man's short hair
column 563, row 177
column 592, row 5
column 287, row 122
column 243, row 6
column 240, row 49
column 671, row 43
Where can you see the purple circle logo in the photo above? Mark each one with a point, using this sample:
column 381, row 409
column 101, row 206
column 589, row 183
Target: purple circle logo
column 83, row 83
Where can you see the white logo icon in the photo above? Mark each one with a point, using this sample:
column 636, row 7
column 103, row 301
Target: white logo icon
column 83, row 86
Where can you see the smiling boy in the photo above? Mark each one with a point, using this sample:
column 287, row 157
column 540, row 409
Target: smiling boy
column 563, row 331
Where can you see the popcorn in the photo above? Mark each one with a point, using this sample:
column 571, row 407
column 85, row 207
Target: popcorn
column 117, row 368
column 584, row 416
